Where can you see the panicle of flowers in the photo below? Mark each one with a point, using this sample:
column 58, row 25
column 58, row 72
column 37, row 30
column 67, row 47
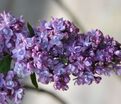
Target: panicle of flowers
column 45, row 52
column 93, row 54
column 11, row 89
column 55, row 36
column 86, row 56
column 55, row 51
column 10, row 28
column 58, row 50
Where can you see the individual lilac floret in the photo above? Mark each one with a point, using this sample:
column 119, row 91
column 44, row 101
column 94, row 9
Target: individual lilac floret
column 10, row 88
column 10, row 27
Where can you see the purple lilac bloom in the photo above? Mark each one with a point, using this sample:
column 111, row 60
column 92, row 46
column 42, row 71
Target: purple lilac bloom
column 54, row 37
column 45, row 55
column 97, row 55
column 10, row 88
column 22, row 55
column 86, row 56
column 63, row 55
column 10, row 27
column 52, row 33
column 58, row 50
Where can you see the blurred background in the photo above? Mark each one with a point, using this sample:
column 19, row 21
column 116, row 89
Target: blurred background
column 87, row 14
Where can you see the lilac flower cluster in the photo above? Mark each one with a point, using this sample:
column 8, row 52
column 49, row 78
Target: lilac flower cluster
column 93, row 55
column 10, row 28
column 45, row 53
column 10, row 88
column 56, row 51
column 85, row 56
column 56, row 36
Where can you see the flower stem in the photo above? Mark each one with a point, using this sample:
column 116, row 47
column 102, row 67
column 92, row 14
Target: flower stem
column 56, row 97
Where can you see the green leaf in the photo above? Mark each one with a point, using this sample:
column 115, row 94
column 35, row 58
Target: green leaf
column 5, row 64
column 34, row 80
column 32, row 76
column 31, row 30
